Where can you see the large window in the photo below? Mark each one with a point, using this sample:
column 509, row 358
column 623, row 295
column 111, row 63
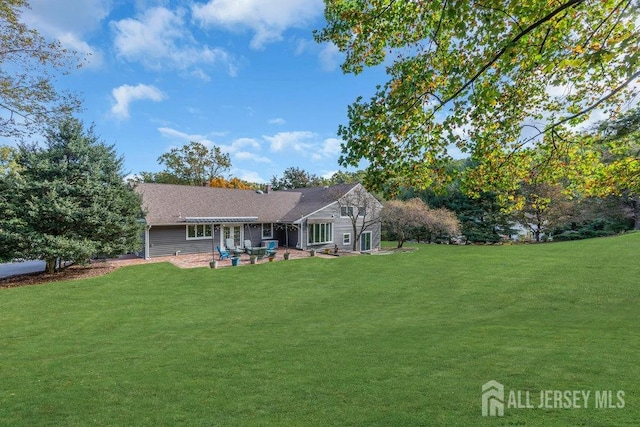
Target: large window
column 199, row 231
column 320, row 233
column 267, row 231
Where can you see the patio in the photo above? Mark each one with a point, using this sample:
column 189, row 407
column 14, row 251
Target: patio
column 203, row 260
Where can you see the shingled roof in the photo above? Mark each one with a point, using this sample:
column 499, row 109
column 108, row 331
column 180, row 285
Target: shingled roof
column 166, row 204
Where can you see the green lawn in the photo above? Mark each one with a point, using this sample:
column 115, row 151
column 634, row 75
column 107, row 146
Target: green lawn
column 403, row 339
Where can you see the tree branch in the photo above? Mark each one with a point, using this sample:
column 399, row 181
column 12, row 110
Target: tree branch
column 497, row 56
column 502, row 51
column 596, row 104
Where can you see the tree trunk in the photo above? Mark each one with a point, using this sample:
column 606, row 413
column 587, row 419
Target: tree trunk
column 51, row 265
column 356, row 237
column 400, row 243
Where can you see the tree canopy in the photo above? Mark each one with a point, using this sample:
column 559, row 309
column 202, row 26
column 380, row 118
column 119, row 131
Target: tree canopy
column 29, row 65
column 234, row 182
column 411, row 218
column 68, row 201
column 191, row 164
column 295, row 177
column 502, row 82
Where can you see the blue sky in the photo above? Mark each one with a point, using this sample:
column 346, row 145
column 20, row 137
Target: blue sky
column 245, row 75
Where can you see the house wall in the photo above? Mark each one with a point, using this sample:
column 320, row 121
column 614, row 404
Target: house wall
column 253, row 232
column 167, row 240
column 341, row 225
column 280, row 234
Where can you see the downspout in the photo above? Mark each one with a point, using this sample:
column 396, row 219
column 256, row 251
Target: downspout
column 146, row 242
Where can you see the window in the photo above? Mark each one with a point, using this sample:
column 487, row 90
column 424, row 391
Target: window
column 320, row 233
column 346, row 211
column 346, row 239
column 267, row 231
column 362, row 211
column 199, row 231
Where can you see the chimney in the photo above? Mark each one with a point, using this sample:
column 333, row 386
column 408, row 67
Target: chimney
column 268, row 188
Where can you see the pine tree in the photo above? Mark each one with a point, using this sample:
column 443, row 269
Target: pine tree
column 68, row 201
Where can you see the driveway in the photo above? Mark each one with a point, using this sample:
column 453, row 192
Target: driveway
column 16, row 268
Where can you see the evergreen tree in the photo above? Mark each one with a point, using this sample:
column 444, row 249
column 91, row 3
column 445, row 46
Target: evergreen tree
column 68, row 201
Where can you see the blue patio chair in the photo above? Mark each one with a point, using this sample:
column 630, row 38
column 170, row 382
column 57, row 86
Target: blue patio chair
column 223, row 253
column 271, row 249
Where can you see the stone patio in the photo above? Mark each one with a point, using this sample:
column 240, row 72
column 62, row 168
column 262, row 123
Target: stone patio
column 203, row 260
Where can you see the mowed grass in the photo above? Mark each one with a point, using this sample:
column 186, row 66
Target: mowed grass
column 403, row 339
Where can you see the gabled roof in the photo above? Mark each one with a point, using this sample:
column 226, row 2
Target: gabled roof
column 173, row 204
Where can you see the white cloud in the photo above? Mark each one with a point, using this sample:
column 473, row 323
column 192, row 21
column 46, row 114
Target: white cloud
column 158, row 38
column 330, row 57
column 277, row 121
column 91, row 57
column 77, row 17
column 299, row 141
column 331, row 147
column 245, row 155
column 246, row 175
column 329, row 174
column 186, row 137
column 238, row 147
column 305, row 45
column 126, row 94
column 245, row 142
column 267, row 20
column 69, row 22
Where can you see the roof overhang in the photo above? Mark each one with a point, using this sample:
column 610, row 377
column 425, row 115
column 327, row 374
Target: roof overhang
column 320, row 220
column 219, row 219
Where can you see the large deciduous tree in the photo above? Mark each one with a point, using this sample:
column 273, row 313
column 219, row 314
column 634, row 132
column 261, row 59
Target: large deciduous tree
column 543, row 207
column 406, row 219
column 615, row 151
column 191, row 164
column 68, row 201
column 29, row 66
column 295, row 177
column 493, row 79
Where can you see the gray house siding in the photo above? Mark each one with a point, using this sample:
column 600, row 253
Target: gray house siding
column 167, row 240
column 341, row 226
column 330, row 214
column 253, row 232
column 286, row 237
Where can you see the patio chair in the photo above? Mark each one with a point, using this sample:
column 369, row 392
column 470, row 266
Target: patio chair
column 223, row 253
column 231, row 247
column 271, row 249
column 229, row 244
column 248, row 246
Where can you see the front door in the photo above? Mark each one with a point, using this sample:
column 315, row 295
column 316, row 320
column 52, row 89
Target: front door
column 365, row 241
column 232, row 232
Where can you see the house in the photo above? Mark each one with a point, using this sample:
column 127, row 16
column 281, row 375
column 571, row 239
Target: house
column 183, row 219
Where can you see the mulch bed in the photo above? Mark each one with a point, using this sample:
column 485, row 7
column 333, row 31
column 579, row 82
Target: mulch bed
column 70, row 273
